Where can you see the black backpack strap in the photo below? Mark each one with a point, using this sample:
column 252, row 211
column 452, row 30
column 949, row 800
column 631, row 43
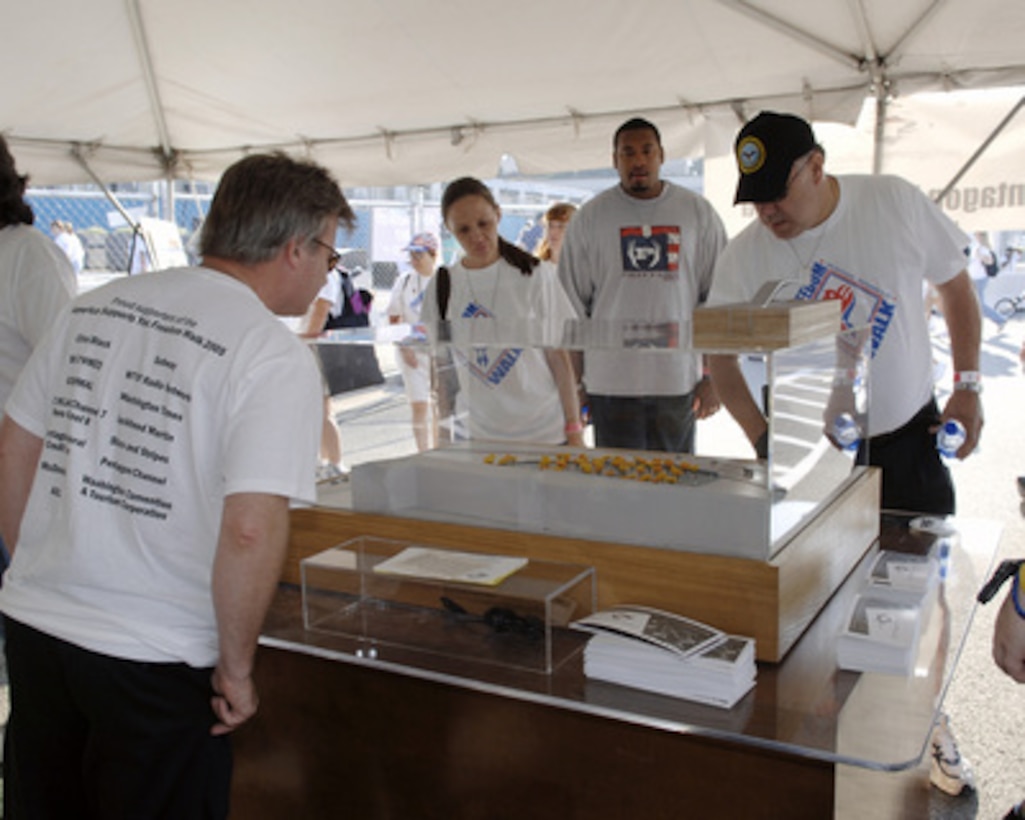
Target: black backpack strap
column 444, row 290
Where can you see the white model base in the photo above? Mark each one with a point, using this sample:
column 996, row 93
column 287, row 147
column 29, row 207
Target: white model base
column 731, row 513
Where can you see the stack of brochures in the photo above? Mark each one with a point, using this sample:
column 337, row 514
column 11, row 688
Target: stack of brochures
column 884, row 624
column 661, row 652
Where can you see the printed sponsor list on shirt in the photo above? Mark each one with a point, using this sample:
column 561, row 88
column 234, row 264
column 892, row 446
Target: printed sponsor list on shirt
column 135, row 426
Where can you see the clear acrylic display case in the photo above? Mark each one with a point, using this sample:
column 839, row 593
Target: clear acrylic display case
column 521, row 622
column 748, row 507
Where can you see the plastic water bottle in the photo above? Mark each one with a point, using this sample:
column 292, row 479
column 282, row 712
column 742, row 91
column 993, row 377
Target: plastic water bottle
column 845, row 431
column 950, row 437
column 944, row 554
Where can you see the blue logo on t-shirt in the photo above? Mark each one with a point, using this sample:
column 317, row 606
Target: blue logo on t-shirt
column 488, row 368
column 650, row 250
column 861, row 303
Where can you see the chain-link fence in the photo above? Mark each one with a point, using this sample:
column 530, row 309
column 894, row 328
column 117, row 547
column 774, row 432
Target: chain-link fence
column 386, row 219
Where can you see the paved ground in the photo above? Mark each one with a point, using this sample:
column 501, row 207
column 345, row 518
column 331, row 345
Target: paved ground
column 987, row 709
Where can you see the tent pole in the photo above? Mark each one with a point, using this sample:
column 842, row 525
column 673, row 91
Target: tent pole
column 169, row 182
column 878, row 144
column 76, row 152
column 149, row 78
column 980, row 150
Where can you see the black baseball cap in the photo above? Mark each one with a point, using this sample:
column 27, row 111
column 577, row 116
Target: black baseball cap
column 765, row 151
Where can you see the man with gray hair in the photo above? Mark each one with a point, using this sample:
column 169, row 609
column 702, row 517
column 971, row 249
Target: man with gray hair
column 148, row 458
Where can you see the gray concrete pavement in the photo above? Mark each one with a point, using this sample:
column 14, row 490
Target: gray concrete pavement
column 987, row 709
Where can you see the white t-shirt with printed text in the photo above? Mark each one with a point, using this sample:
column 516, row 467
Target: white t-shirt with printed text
column 156, row 397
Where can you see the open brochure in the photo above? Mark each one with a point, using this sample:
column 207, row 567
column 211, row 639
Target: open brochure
column 669, row 654
column 674, row 633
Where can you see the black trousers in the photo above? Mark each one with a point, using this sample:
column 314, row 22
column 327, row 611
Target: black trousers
column 661, row 423
column 915, row 479
column 97, row 737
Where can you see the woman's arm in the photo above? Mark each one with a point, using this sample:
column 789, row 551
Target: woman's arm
column 565, row 380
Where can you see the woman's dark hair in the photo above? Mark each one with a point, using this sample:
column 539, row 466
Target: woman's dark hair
column 14, row 210
column 470, row 186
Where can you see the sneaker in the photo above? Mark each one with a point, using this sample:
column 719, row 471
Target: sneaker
column 1021, row 486
column 949, row 772
column 332, row 473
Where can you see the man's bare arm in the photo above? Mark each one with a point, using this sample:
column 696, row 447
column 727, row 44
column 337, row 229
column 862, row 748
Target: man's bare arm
column 19, row 457
column 964, row 324
column 250, row 553
column 733, row 393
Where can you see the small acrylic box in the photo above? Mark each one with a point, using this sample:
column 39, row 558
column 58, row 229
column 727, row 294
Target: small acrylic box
column 472, row 606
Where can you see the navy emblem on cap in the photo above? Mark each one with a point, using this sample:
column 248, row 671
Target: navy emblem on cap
column 750, row 155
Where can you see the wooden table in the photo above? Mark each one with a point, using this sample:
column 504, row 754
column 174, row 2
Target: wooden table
column 409, row 735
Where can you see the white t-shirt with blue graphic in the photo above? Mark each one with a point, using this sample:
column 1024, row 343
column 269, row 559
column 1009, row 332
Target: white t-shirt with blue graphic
column 507, row 386
column 873, row 252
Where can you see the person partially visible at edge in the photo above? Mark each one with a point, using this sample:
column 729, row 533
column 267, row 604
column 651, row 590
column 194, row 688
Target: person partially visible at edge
column 643, row 251
column 870, row 241
column 328, row 302
column 65, row 238
column 181, row 419
column 1009, row 647
column 36, row 280
column 513, row 393
column 556, row 219
column 549, row 247
column 404, row 305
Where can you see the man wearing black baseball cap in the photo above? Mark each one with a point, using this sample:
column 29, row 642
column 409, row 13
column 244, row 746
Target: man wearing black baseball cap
column 764, row 174
column 870, row 241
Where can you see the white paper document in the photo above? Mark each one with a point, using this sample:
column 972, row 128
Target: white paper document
column 881, row 634
column 658, row 651
column 904, row 571
column 676, row 633
column 450, row 565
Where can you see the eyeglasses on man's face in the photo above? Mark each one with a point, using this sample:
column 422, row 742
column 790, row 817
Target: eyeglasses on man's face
column 333, row 257
column 793, row 176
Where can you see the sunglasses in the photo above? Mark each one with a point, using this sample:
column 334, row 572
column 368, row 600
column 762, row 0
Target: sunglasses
column 790, row 179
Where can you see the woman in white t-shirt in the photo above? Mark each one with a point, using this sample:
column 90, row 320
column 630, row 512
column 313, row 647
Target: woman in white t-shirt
column 407, row 297
column 512, row 393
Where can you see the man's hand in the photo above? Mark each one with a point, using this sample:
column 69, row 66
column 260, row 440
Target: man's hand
column 706, row 399
column 1009, row 641
column 966, row 407
column 234, row 701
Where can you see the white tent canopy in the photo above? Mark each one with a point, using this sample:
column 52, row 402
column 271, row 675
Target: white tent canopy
column 927, row 138
column 403, row 91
